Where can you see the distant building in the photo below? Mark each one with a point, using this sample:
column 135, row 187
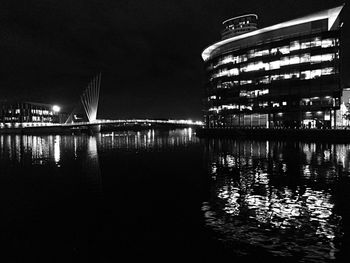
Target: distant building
column 30, row 112
column 285, row 75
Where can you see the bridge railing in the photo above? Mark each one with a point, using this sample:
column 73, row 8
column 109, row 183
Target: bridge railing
column 99, row 122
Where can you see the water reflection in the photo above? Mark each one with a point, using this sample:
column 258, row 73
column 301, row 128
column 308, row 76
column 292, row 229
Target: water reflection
column 278, row 196
column 53, row 152
column 150, row 140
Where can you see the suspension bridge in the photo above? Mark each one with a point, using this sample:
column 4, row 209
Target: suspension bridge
column 89, row 100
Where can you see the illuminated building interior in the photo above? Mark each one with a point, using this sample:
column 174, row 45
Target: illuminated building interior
column 286, row 75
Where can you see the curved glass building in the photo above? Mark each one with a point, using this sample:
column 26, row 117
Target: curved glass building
column 285, row 75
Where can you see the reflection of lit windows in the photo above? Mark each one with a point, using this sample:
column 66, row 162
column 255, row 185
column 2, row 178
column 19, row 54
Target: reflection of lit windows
column 275, row 104
column 284, row 103
column 213, row 97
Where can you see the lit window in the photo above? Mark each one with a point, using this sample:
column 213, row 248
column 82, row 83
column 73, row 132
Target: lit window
column 243, row 58
column 284, row 50
column 286, row 76
column 230, row 107
column 275, row 64
column 304, row 58
column 316, row 59
column 233, row 72
column 329, row 42
column 295, row 74
column 316, row 42
column 265, row 52
column 263, row 80
column 328, row 71
column 294, row 45
column 294, row 60
column 264, row 92
column 284, row 61
column 328, row 57
column 284, row 103
column 244, row 82
column 315, row 73
column 305, row 44
column 255, row 66
column 305, row 74
column 275, row 77
column 274, row 51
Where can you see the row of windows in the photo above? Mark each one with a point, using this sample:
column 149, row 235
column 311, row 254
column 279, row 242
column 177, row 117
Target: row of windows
column 34, row 118
column 295, row 74
column 315, row 101
column 283, row 50
column 276, row 64
column 33, row 111
column 253, row 93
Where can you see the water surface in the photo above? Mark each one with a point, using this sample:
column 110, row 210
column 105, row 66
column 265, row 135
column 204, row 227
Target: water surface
column 167, row 194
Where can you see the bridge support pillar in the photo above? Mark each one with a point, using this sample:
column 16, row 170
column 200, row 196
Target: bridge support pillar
column 95, row 129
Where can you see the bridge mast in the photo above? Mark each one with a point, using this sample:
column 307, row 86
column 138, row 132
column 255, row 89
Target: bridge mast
column 90, row 98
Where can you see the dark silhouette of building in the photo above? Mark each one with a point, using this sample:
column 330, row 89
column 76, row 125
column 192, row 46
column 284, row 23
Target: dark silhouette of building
column 29, row 112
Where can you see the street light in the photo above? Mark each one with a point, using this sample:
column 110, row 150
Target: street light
column 56, row 108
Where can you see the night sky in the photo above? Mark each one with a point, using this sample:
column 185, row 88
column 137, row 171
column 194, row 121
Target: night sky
column 149, row 52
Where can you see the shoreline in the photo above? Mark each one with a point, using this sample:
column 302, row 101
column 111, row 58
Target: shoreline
column 317, row 135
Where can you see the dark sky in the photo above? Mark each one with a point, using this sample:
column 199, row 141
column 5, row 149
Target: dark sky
column 149, row 51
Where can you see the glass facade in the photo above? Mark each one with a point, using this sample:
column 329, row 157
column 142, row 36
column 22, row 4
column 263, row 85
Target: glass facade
column 291, row 81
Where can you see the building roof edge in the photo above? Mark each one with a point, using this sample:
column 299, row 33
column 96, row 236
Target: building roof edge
column 330, row 14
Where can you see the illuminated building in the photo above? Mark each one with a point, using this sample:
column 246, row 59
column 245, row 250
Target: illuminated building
column 285, row 75
column 29, row 112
